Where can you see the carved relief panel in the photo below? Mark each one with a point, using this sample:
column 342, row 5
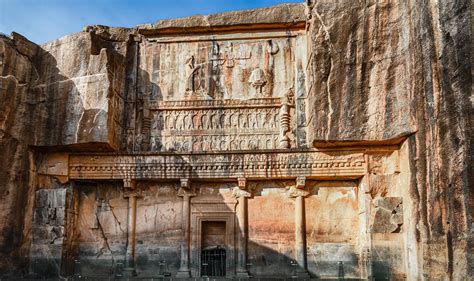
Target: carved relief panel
column 236, row 68
column 205, row 94
column 212, row 125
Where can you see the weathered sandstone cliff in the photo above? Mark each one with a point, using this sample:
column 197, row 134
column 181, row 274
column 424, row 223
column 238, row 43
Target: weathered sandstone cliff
column 390, row 78
column 385, row 71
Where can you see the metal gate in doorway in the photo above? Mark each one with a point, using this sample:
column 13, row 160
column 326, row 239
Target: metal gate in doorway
column 213, row 261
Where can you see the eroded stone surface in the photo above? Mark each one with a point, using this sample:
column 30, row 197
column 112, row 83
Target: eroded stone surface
column 286, row 14
column 388, row 69
column 388, row 216
column 119, row 145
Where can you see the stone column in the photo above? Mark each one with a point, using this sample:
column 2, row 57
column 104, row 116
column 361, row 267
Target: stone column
column 299, row 193
column 186, row 192
column 365, row 236
column 131, row 193
column 241, row 194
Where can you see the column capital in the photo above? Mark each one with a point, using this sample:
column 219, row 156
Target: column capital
column 300, row 182
column 130, row 189
column 238, row 192
column 293, row 192
column 127, row 193
column 185, row 188
column 182, row 192
column 242, row 183
column 185, row 183
column 129, row 183
column 241, row 189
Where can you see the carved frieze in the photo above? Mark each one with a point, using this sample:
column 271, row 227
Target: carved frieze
column 228, row 165
column 209, row 125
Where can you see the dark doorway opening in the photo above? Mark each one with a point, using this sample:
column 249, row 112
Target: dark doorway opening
column 213, row 262
column 213, row 254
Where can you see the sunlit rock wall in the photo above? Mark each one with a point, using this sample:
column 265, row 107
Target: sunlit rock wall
column 378, row 73
column 384, row 69
column 67, row 94
column 102, row 229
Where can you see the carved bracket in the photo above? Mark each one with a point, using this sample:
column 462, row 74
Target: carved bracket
column 129, row 183
column 293, row 192
column 300, row 182
column 242, row 183
column 241, row 189
column 237, row 192
column 132, row 193
column 186, row 189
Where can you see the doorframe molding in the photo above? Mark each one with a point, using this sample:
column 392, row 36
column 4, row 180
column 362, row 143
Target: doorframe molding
column 213, row 211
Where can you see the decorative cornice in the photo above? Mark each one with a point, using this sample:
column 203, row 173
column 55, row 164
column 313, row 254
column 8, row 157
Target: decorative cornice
column 217, row 166
column 214, row 104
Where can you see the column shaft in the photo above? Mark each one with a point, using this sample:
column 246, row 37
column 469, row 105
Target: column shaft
column 132, row 223
column 242, row 237
column 184, row 270
column 300, row 232
column 300, row 238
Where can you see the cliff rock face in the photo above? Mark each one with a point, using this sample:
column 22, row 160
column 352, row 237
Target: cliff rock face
column 347, row 126
column 389, row 70
column 66, row 93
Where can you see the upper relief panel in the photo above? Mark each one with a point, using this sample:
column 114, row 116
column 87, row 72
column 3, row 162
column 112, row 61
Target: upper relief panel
column 235, row 69
column 231, row 88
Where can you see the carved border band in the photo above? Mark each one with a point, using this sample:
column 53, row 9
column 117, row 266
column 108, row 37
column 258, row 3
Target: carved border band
column 211, row 104
column 217, row 166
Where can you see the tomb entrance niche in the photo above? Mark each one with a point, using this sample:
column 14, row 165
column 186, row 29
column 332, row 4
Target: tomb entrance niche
column 213, row 253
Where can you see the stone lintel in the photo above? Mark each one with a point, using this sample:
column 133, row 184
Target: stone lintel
column 252, row 165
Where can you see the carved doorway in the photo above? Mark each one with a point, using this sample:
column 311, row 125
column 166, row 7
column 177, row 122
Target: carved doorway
column 213, row 254
column 212, row 228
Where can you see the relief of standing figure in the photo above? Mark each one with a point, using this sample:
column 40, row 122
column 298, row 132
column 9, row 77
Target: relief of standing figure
column 193, row 82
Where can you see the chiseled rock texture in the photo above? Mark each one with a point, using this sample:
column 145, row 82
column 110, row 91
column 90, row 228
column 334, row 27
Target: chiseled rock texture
column 286, row 14
column 381, row 73
column 389, row 69
column 57, row 95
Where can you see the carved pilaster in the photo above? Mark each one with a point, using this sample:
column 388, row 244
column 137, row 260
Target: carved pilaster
column 186, row 192
column 299, row 193
column 242, row 194
column 146, row 123
column 285, row 119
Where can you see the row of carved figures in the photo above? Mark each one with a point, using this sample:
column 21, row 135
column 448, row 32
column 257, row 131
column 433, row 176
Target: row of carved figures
column 267, row 118
column 210, row 143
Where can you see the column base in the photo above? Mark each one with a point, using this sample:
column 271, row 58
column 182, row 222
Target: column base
column 302, row 275
column 242, row 273
column 183, row 274
column 129, row 272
